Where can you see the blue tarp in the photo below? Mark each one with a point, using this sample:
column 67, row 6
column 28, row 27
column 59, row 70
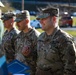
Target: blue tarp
column 3, row 66
column 17, row 67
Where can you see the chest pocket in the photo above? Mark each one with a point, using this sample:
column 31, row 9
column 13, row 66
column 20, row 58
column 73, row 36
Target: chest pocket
column 48, row 51
column 22, row 42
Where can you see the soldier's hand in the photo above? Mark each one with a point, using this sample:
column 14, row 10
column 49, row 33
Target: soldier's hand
column 26, row 51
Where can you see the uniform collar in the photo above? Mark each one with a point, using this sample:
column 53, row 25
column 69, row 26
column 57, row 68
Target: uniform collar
column 47, row 37
column 26, row 34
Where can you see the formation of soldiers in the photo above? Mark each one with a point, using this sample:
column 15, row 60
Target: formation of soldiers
column 51, row 52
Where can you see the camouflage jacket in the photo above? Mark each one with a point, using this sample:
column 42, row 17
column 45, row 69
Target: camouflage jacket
column 27, row 39
column 56, row 52
column 8, row 45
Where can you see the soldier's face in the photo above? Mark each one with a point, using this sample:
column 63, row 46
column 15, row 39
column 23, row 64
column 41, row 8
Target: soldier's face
column 46, row 23
column 21, row 25
column 8, row 23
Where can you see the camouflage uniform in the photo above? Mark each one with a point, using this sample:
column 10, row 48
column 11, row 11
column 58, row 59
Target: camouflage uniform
column 56, row 54
column 27, row 39
column 8, row 45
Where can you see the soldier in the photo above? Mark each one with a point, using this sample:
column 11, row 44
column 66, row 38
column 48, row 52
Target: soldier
column 26, row 50
column 9, row 37
column 55, row 48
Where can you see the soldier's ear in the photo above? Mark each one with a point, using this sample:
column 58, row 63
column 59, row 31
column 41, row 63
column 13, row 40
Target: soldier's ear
column 27, row 21
column 54, row 18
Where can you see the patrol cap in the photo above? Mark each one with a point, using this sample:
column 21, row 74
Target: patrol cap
column 22, row 15
column 7, row 16
column 48, row 11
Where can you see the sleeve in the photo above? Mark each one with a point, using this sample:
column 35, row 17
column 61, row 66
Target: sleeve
column 13, row 40
column 69, row 59
column 34, row 47
column 1, row 30
column 15, row 43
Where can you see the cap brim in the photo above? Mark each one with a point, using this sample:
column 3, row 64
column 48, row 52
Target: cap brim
column 18, row 20
column 4, row 18
column 1, row 5
column 42, row 16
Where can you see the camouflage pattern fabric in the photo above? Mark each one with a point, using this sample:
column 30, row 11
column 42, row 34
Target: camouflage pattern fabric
column 8, row 45
column 28, row 39
column 1, row 52
column 56, row 54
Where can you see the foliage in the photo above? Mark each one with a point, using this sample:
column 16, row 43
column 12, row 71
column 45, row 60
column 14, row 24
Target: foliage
column 71, row 32
column 74, row 21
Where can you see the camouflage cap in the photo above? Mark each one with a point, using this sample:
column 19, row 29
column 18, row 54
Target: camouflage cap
column 48, row 11
column 7, row 16
column 22, row 15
